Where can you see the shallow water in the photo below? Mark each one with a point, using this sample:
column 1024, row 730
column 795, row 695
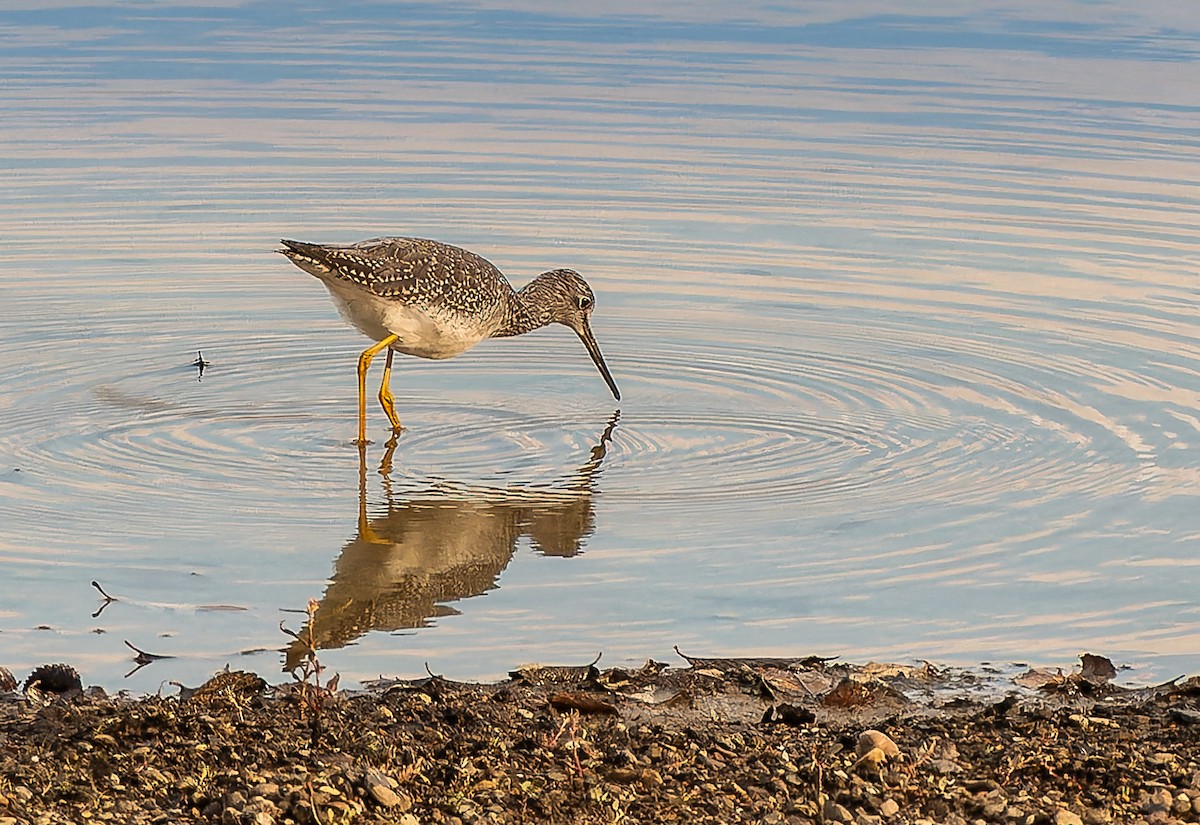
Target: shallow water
column 902, row 308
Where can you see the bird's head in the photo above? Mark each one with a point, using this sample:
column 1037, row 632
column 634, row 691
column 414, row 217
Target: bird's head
column 561, row 296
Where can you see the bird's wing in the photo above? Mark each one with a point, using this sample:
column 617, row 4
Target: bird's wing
column 428, row 273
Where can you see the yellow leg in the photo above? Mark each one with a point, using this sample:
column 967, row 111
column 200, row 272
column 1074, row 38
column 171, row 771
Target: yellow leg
column 385, row 395
column 364, row 361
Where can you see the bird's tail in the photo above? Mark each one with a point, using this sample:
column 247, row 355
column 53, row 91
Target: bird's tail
column 297, row 248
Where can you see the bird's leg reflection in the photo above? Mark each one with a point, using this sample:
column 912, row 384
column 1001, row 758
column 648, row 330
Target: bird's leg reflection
column 385, row 463
column 442, row 543
column 364, row 523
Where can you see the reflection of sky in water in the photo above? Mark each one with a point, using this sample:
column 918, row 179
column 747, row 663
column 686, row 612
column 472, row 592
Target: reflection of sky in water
column 903, row 307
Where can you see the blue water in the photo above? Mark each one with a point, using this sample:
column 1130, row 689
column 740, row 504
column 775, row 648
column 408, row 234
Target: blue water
column 902, row 308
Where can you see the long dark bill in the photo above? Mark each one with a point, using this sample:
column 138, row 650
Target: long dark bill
column 589, row 342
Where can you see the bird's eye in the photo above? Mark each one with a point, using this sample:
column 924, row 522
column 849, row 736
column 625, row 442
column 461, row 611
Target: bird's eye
column 583, row 301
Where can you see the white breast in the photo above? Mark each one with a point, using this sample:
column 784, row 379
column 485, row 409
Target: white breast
column 421, row 333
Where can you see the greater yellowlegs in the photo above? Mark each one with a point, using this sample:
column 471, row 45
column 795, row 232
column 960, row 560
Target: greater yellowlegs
column 433, row 300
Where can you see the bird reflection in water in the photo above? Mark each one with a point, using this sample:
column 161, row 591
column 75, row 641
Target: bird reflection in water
column 451, row 543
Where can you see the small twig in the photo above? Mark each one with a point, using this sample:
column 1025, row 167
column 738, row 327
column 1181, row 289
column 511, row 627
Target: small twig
column 820, row 793
column 562, row 727
column 312, row 802
column 308, row 673
column 107, row 599
column 575, row 741
column 236, row 702
column 291, row 633
column 144, row 658
column 927, row 753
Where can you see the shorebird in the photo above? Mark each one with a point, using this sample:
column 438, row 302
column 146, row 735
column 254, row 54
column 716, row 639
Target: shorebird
column 433, row 300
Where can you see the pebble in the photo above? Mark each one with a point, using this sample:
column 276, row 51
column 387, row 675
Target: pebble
column 154, row 776
column 994, row 806
column 1183, row 805
column 1157, row 801
column 385, row 796
column 870, row 739
column 1064, row 817
column 889, row 808
column 651, row 778
column 267, row 790
column 833, row 812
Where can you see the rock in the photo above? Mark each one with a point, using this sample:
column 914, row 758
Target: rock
column 386, row 797
column 384, row 790
column 1063, row 817
column 889, row 808
column 1182, row 805
column 833, row 812
column 874, row 749
column 871, row 739
column 154, row 776
column 651, row 778
column 623, row 776
column 1157, row 801
column 267, row 790
column 994, row 806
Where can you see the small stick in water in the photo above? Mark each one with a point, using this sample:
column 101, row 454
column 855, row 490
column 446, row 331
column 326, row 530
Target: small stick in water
column 200, row 364
column 107, row 599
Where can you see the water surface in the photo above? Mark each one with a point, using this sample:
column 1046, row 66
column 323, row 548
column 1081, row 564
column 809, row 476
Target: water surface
column 902, row 308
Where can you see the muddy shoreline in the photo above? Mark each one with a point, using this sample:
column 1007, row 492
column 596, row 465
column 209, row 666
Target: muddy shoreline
column 725, row 740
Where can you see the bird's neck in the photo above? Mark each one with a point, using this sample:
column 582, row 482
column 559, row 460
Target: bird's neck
column 527, row 311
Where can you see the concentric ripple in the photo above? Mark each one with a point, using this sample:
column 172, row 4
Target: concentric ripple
column 822, row 417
